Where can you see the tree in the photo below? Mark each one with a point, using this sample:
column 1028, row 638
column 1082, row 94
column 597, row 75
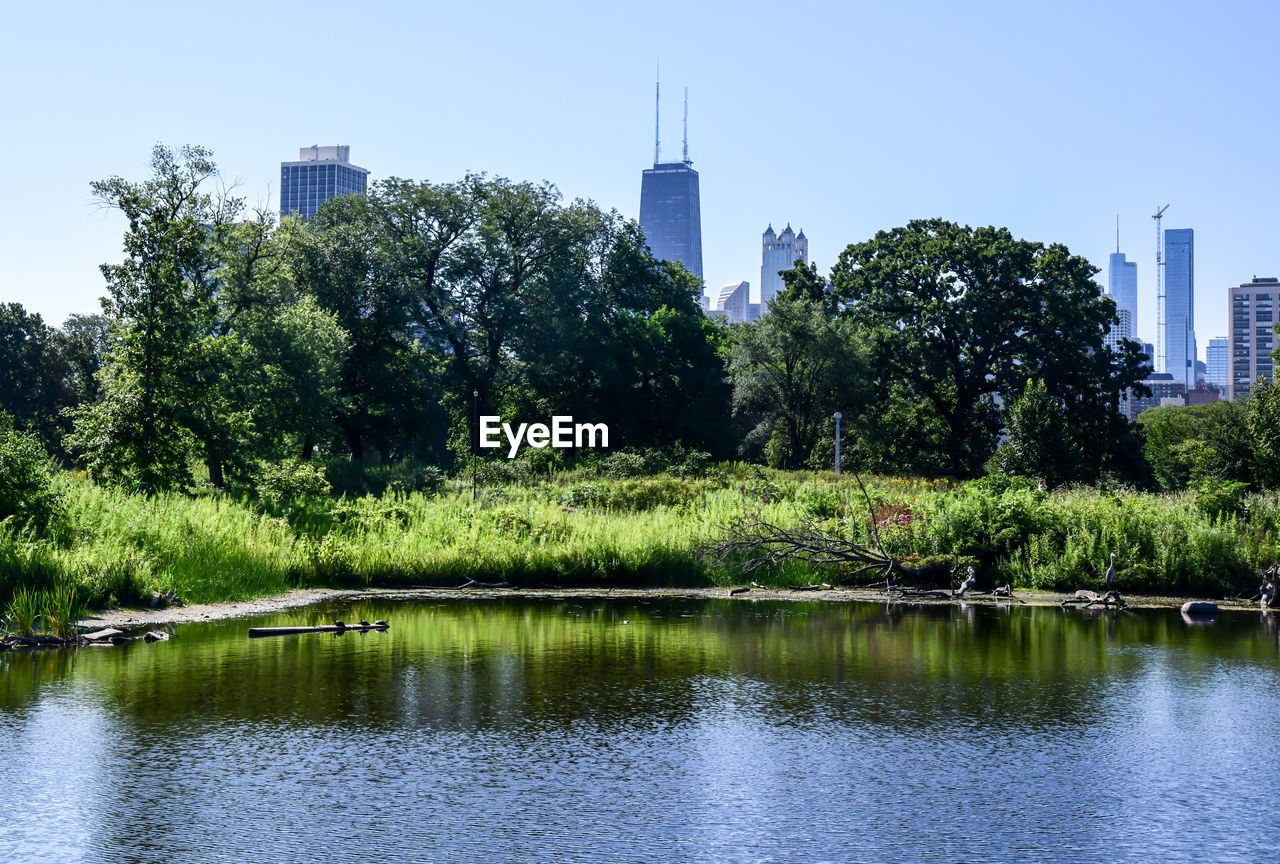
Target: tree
column 345, row 258
column 161, row 299
column 1186, row 444
column 791, row 369
column 957, row 316
column 292, row 371
column 35, row 376
column 1039, row 443
column 804, row 282
column 1264, row 431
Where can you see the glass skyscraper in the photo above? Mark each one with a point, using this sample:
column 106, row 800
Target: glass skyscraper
column 1122, row 286
column 1179, row 305
column 670, row 212
column 671, row 215
column 319, row 174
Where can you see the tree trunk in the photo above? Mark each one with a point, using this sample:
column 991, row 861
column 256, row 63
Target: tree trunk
column 215, row 474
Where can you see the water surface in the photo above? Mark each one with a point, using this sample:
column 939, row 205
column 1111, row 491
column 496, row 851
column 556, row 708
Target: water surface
column 666, row 730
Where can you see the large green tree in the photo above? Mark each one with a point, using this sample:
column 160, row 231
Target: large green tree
column 161, row 299
column 959, row 319
column 791, row 370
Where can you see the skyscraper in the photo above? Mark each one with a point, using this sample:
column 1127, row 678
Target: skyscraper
column 779, row 252
column 319, row 174
column 1253, row 334
column 670, row 212
column 1179, row 305
column 1122, row 286
column 1217, row 366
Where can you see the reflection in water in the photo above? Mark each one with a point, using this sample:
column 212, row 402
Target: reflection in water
column 672, row 730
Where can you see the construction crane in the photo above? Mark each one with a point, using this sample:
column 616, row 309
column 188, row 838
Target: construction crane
column 1158, row 360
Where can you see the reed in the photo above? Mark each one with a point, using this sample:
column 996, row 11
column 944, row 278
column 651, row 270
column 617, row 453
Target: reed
column 23, row 611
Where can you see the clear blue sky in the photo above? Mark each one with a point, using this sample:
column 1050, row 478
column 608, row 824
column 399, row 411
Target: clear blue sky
column 841, row 118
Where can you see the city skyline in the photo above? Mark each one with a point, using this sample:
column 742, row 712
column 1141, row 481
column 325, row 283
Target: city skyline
column 842, row 154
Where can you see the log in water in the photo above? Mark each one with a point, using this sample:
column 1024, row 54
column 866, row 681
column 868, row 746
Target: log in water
column 258, row 632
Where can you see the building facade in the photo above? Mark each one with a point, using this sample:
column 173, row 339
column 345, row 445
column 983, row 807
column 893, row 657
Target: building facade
column 779, row 252
column 1252, row 334
column 1179, row 305
column 671, row 214
column 319, row 174
column 1122, row 286
column 735, row 302
column 1120, row 331
column 1217, row 364
column 1165, row 390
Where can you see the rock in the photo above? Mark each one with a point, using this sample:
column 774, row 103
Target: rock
column 119, row 640
column 156, row 600
column 155, row 636
column 1200, row 608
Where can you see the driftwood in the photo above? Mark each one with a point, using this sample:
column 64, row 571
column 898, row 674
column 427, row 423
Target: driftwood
column 101, row 635
column 335, row 627
column 1085, row 599
column 472, row 583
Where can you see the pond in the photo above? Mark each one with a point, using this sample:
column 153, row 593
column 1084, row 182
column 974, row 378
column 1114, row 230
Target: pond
column 663, row 729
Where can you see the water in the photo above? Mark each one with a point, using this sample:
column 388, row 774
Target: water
column 663, row 730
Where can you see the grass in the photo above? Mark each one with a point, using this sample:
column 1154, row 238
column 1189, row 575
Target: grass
column 581, row 529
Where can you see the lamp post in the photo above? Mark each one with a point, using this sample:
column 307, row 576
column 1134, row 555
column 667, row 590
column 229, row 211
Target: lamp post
column 837, row 415
column 475, row 444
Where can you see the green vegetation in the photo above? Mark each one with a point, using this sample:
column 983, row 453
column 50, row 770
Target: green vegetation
column 584, row 528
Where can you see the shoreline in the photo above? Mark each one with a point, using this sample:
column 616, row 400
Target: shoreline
column 301, row 597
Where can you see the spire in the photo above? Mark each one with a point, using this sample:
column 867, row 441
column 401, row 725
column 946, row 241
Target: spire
column 1117, row 233
column 657, row 105
column 685, row 157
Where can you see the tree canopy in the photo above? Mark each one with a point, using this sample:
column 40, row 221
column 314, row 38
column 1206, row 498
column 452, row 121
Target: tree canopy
column 958, row 319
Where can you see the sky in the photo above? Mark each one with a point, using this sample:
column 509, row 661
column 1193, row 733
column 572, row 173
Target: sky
column 839, row 118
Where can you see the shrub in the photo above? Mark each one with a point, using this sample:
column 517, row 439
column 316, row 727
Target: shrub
column 1219, row 499
column 291, row 480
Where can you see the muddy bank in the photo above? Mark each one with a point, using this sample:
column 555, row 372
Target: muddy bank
column 128, row 618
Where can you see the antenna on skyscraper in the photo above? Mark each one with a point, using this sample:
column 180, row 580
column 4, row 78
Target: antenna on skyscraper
column 1117, row 232
column 685, row 158
column 657, row 110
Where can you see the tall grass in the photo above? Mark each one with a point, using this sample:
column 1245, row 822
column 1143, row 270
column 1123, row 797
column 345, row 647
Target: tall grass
column 23, row 611
column 579, row 529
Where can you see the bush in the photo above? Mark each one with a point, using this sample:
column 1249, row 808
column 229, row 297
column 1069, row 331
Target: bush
column 291, row 480
column 27, row 492
column 1220, row 499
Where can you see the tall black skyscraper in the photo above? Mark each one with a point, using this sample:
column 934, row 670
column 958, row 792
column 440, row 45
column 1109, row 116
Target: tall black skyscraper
column 670, row 214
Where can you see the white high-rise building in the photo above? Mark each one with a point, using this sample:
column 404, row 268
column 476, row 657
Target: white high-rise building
column 779, row 252
column 1123, row 330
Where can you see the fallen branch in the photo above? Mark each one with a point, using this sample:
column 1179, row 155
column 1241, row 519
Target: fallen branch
column 472, row 583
